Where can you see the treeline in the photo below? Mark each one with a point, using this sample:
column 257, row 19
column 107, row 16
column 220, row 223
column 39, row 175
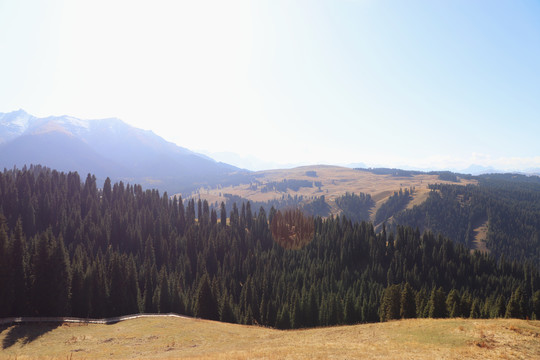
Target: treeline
column 315, row 206
column 395, row 203
column 400, row 301
column 443, row 175
column 448, row 176
column 510, row 204
column 285, row 184
column 69, row 248
column 393, row 172
column 355, row 207
column 285, row 201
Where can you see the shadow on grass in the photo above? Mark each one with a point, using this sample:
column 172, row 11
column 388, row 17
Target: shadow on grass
column 26, row 333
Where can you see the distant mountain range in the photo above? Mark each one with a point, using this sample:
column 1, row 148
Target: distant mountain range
column 106, row 147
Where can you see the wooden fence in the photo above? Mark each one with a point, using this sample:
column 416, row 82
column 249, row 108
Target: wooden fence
column 112, row 320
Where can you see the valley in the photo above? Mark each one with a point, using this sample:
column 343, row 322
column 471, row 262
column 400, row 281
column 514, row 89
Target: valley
column 269, row 180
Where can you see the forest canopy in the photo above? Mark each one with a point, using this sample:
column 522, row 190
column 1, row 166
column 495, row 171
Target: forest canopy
column 72, row 247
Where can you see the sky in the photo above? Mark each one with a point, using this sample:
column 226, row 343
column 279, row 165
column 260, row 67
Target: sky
column 410, row 84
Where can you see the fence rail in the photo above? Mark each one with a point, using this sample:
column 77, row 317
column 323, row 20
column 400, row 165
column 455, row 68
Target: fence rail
column 106, row 321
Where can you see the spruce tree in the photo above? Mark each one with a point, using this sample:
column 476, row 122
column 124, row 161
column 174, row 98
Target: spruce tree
column 164, row 303
column 408, row 304
column 536, row 305
column 453, row 304
column 391, row 303
column 475, row 309
column 223, row 214
column 283, row 321
column 226, row 313
column 514, row 309
column 6, row 284
column 206, row 305
column 437, row 304
column 60, row 274
column 19, row 272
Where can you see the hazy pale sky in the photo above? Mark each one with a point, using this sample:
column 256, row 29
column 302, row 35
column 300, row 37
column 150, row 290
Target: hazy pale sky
column 439, row 84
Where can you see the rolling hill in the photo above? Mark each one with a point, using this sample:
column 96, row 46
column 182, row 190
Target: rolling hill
column 495, row 213
column 167, row 338
column 332, row 182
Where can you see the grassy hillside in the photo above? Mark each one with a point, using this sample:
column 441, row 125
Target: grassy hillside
column 167, row 338
column 334, row 181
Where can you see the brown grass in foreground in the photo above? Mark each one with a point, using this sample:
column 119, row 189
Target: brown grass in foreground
column 170, row 338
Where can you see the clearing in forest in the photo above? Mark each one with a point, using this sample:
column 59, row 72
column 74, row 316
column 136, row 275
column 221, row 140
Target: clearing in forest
column 480, row 237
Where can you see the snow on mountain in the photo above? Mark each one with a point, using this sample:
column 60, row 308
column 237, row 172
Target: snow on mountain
column 105, row 147
column 14, row 124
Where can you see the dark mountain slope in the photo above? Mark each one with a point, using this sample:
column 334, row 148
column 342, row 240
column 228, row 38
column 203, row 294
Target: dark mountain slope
column 60, row 151
column 106, row 147
column 509, row 203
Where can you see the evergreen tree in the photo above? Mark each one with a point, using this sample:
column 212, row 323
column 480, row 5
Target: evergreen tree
column 453, row 304
column 408, row 304
column 206, row 305
column 108, row 248
column 515, row 307
column 41, row 281
column 349, row 311
column 223, row 213
column 475, row 309
column 391, row 303
column 283, row 321
column 437, row 304
column 200, row 212
column 536, row 305
column 164, row 303
column 422, row 309
column 18, row 273
column 60, row 278
column 297, row 320
column 226, row 313
column 107, row 190
column 6, row 285
column 499, row 309
column 79, row 291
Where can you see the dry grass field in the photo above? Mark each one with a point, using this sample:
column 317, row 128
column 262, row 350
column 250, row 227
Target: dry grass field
column 480, row 237
column 336, row 181
column 171, row 338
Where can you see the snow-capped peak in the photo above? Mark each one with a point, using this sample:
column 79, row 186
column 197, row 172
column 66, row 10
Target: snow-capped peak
column 16, row 119
column 13, row 124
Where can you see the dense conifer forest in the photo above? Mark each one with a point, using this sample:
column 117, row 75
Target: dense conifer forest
column 395, row 203
column 70, row 246
column 509, row 204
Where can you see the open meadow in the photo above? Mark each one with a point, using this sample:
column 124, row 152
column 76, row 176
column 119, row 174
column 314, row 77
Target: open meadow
column 169, row 338
column 334, row 182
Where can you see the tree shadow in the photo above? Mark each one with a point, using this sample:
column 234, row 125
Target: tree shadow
column 26, row 333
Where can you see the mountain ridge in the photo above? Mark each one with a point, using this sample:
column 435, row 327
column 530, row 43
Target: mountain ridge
column 105, row 147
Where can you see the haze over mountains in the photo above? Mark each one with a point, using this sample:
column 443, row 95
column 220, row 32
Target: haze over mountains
column 104, row 147
column 112, row 148
column 456, row 245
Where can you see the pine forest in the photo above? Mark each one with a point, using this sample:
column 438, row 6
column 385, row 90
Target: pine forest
column 72, row 247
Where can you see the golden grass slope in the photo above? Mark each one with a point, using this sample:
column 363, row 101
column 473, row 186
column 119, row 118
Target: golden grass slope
column 480, row 237
column 170, row 338
column 336, row 181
